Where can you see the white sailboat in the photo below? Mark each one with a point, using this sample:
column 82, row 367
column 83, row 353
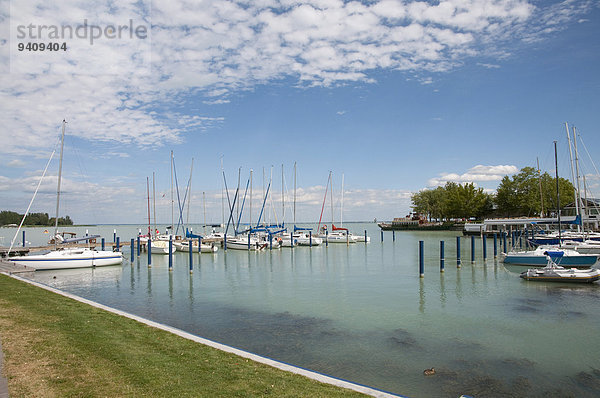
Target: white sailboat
column 61, row 258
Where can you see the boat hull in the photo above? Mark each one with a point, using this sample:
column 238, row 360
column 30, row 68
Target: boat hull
column 565, row 275
column 66, row 259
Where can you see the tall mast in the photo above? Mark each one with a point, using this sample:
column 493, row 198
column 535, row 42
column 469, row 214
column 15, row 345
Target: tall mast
column 250, row 198
column 204, row 206
column 331, row 197
column 578, row 196
column 342, row 204
column 282, row 197
column 237, row 206
column 540, row 183
column 172, row 200
column 572, row 173
column 62, row 145
column 153, row 202
column 557, row 193
column 148, row 195
column 189, row 198
column 222, row 196
column 294, row 194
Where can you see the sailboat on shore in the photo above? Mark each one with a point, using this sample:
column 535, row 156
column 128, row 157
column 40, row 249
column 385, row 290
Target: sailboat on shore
column 62, row 258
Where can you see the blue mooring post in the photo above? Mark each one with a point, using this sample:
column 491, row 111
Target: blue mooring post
column 421, row 260
column 393, row 236
column 225, row 242
column 248, row 241
column 132, row 250
column 484, row 243
column 24, row 238
column 504, row 243
column 199, row 245
column 114, row 235
column 382, row 235
column 495, row 246
column 170, row 252
column 512, row 239
column 191, row 254
column 472, row 249
column 309, row 238
column 149, row 248
column 292, row 239
column 102, row 243
column 326, row 238
column 139, row 246
column 270, row 242
column 520, row 239
column 118, row 244
column 365, row 236
column 442, row 259
column 458, row 252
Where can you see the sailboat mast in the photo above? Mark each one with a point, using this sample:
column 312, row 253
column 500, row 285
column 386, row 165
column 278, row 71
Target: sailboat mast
column 578, row 196
column 540, row 183
column 342, row 204
column 153, row 202
column 189, row 198
column 331, row 197
column 250, row 224
column 294, row 194
column 204, row 206
column 572, row 172
column 557, row 193
column 148, row 196
column 62, row 145
column 282, row 197
column 172, row 199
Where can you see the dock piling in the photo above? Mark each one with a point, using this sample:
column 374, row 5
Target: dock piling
column 192, row 255
column 24, row 238
column 393, row 236
column 442, row 259
column 484, row 243
column 309, row 238
column 472, row 248
column 225, row 242
column 149, row 247
column 118, row 244
column 495, row 245
column 102, row 244
column 131, row 249
column 421, row 260
column 139, row 248
column 170, row 252
column 458, row 261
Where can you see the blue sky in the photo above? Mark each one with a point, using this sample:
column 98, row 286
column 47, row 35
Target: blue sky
column 397, row 96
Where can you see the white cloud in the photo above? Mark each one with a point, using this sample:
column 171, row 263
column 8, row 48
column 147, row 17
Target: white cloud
column 474, row 174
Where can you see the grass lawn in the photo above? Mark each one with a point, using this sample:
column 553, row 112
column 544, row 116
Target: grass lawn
column 57, row 347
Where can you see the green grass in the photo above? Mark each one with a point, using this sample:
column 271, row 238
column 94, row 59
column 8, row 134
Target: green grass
column 57, row 347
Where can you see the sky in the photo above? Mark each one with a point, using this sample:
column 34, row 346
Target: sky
column 390, row 96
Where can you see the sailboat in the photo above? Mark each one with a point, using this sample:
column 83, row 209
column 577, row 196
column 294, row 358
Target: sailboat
column 556, row 255
column 61, row 258
column 337, row 234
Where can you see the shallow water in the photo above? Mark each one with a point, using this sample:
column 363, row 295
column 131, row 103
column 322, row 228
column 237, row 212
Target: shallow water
column 361, row 312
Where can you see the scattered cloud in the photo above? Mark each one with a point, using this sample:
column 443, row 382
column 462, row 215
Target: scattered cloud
column 488, row 66
column 341, row 112
column 477, row 173
column 217, row 47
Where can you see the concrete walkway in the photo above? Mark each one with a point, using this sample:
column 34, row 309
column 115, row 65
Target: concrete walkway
column 3, row 383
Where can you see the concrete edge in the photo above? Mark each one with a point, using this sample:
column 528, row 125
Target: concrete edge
column 323, row 378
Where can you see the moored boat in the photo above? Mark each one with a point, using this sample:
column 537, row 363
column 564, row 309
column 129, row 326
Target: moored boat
column 69, row 258
column 538, row 257
column 553, row 272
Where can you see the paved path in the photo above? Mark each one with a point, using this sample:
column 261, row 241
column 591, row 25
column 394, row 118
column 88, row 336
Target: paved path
column 3, row 383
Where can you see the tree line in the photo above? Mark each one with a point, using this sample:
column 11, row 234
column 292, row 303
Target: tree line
column 42, row 219
column 526, row 193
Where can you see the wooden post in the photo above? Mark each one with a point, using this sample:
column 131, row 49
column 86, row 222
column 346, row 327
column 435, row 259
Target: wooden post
column 442, row 259
column 131, row 249
column 421, row 260
column 458, row 252
column 170, row 252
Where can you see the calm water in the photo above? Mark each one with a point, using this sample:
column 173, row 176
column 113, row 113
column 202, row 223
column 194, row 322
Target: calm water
column 362, row 313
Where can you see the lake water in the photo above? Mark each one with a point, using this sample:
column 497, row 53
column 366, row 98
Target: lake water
column 362, row 313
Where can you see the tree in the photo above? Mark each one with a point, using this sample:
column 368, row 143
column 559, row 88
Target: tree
column 520, row 195
column 453, row 201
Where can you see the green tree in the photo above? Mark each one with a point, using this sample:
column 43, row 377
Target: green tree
column 520, row 195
